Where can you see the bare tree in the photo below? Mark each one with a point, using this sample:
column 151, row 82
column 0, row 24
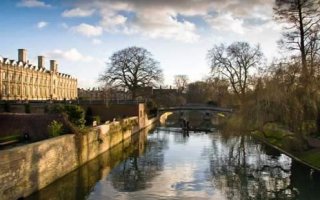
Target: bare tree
column 302, row 18
column 234, row 63
column 197, row 92
column 181, row 82
column 132, row 68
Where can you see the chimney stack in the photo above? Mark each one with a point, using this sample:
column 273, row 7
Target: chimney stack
column 53, row 65
column 22, row 55
column 41, row 62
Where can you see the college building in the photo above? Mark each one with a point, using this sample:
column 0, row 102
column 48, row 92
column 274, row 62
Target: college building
column 20, row 80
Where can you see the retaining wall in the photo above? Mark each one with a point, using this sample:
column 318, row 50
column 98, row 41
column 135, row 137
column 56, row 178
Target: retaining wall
column 36, row 125
column 26, row 169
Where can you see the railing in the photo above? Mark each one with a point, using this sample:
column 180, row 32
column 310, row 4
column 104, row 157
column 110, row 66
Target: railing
column 194, row 107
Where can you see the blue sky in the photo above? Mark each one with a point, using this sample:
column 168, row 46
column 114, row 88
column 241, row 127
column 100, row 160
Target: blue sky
column 83, row 34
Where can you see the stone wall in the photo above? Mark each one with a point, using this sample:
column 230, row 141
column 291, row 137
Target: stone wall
column 115, row 111
column 32, row 167
column 36, row 125
column 87, row 175
column 26, row 169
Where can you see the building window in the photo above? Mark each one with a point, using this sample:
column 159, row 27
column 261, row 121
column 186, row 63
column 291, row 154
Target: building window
column 18, row 91
column 4, row 90
column 12, row 90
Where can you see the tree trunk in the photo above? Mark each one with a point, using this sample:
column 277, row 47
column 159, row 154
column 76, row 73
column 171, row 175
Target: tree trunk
column 302, row 46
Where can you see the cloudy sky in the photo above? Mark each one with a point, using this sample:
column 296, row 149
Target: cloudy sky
column 82, row 34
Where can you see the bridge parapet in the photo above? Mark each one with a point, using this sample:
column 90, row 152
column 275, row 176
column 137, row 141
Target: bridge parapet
column 196, row 108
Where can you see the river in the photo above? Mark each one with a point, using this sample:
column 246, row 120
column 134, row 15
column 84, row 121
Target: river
column 165, row 163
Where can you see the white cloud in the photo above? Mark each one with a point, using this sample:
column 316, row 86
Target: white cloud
column 70, row 55
column 160, row 25
column 171, row 19
column 42, row 24
column 112, row 23
column 152, row 23
column 78, row 12
column 87, row 30
column 226, row 22
column 96, row 41
column 33, row 4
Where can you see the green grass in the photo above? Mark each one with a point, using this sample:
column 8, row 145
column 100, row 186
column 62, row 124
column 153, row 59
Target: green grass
column 280, row 138
column 312, row 157
column 10, row 138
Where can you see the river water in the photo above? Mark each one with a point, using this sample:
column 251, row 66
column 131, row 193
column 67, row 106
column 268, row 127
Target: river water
column 165, row 163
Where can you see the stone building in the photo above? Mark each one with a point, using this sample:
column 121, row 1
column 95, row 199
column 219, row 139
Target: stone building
column 92, row 94
column 97, row 94
column 20, row 80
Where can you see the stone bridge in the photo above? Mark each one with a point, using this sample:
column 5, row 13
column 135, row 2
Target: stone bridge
column 195, row 108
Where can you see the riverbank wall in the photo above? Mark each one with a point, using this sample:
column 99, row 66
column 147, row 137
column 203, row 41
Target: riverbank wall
column 86, row 176
column 29, row 168
column 291, row 155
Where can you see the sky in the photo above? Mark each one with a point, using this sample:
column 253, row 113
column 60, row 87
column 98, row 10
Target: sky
column 82, row 34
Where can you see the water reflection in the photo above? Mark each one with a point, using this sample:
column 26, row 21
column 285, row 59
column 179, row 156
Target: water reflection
column 79, row 183
column 135, row 173
column 168, row 165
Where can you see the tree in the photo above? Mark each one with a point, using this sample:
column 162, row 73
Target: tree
column 132, row 68
column 197, row 92
column 301, row 33
column 181, row 82
column 234, row 63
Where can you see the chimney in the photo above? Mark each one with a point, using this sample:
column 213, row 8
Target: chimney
column 53, row 65
column 22, row 55
column 41, row 62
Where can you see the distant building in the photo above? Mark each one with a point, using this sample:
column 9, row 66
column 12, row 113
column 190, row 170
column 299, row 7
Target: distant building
column 164, row 91
column 96, row 94
column 92, row 94
column 20, row 80
column 142, row 94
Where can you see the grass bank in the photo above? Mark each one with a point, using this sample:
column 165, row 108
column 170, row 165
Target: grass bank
column 290, row 144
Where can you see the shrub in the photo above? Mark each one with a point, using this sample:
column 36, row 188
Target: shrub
column 55, row 128
column 89, row 117
column 75, row 114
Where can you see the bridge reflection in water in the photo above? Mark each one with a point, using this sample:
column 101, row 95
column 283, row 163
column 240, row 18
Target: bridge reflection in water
column 166, row 165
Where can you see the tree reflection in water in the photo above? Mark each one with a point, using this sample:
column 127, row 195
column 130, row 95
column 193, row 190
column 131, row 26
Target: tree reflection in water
column 137, row 172
column 168, row 165
column 247, row 172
